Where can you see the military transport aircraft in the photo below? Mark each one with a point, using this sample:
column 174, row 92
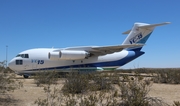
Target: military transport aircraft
column 88, row 58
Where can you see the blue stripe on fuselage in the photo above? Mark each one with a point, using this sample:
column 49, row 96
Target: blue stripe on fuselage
column 131, row 56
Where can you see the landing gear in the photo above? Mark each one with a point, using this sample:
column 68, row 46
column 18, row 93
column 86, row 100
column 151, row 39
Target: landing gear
column 25, row 76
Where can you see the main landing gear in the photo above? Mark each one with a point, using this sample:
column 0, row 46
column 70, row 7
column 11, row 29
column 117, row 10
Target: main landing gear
column 25, row 76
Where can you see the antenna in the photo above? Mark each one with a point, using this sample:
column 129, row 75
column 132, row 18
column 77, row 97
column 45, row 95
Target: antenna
column 6, row 54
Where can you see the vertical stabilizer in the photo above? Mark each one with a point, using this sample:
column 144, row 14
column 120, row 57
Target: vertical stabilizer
column 140, row 33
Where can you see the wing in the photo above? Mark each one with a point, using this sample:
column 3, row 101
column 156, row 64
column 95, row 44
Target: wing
column 111, row 49
column 102, row 50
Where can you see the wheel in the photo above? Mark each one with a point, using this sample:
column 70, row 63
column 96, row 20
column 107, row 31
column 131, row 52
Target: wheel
column 26, row 76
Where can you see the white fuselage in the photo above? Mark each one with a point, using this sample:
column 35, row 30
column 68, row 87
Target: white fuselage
column 38, row 60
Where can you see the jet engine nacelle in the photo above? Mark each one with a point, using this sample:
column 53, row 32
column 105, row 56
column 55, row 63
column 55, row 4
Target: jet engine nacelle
column 68, row 55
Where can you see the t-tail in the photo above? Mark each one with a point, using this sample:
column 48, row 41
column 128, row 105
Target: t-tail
column 140, row 33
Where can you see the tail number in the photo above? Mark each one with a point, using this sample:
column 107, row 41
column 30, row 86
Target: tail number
column 135, row 38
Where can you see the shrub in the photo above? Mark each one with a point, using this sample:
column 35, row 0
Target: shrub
column 44, row 77
column 135, row 93
column 130, row 92
column 53, row 97
column 101, row 82
column 76, row 83
column 7, row 84
column 176, row 103
column 171, row 76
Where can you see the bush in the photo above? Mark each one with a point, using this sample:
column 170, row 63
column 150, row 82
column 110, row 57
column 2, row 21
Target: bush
column 114, row 78
column 101, row 82
column 76, row 83
column 171, row 76
column 135, row 93
column 44, row 77
column 7, row 84
column 130, row 92
column 176, row 103
column 54, row 97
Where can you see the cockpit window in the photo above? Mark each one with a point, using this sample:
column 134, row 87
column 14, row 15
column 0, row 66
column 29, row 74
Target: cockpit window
column 18, row 55
column 23, row 55
column 19, row 62
column 26, row 56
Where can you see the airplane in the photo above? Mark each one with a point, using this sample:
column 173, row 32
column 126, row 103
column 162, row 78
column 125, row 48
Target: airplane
column 87, row 58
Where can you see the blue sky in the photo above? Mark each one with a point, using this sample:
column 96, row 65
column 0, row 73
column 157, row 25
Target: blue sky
column 27, row 24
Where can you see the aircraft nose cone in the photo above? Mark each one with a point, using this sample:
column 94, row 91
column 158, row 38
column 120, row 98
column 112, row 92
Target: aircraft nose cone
column 11, row 64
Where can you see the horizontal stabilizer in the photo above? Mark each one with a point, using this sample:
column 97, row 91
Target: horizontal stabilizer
column 127, row 32
column 154, row 25
column 147, row 26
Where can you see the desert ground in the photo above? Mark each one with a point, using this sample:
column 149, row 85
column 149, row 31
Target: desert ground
column 26, row 95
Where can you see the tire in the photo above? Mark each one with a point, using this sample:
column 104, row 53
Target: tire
column 26, row 76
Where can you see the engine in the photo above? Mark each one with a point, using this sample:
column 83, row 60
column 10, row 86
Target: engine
column 68, row 55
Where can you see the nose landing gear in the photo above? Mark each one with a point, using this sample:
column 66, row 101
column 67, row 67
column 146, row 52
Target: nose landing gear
column 26, row 76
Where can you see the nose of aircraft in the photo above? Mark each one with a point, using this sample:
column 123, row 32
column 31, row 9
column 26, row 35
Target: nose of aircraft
column 12, row 64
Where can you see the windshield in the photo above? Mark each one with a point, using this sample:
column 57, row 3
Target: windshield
column 23, row 55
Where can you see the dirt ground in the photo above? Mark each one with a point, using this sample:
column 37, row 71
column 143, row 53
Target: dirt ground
column 30, row 92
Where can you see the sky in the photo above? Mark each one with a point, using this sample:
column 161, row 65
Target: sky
column 27, row 24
